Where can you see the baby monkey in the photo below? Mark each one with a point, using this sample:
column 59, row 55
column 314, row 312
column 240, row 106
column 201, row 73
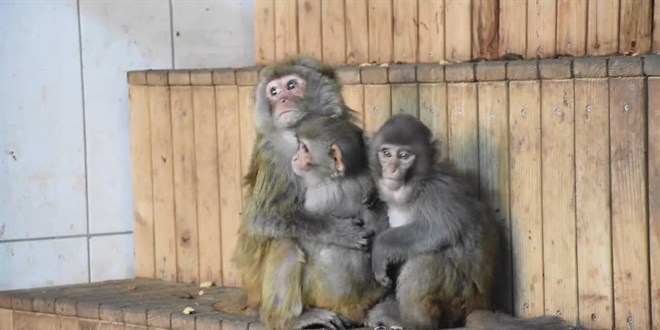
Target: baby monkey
column 442, row 239
column 332, row 162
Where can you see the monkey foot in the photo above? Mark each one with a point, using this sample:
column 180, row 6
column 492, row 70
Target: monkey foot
column 325, row 319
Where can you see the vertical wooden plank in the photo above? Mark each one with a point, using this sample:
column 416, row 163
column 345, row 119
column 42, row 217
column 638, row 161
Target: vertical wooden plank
column 229, row 162
column 485, row 30
column 526, row 200
column 28, row 320
column 6, row 319
column 246, row 126
column 603, row 27
column 377, row 106
column 309, row 28
column 405, row 99
column 558, row 175
column 405, row 31
column 458, row 46
column 206, row 179
column 512, row 24
column 286, row 29
column 354, row 99
column 163, row 184
column 493, row 119
column 380, row 31
column 431, row 31
column 656, row 30
column 357, row 32
column 654, row 195
column 433, row 113
column 333, row 28
column 635, row 24
column 143, row 216
column 629, row 203
column 541, row 28
column 264, row 31
column 463, row 142
column 571, row 27
column 185, row 200
column 592, row 198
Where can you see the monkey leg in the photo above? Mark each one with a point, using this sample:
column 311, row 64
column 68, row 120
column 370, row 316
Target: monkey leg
column 434, row 292
column 316, row 317
column 281, row 302
column 385, row 314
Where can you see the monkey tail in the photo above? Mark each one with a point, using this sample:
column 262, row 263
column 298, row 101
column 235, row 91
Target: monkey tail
column 482, row 319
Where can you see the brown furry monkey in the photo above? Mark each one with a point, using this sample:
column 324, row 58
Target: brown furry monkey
column 443, row 240
column 332, row 161
column 267, row 254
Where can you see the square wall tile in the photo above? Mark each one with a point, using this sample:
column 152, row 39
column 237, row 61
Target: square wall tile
column 112, row 257
column 43, row 263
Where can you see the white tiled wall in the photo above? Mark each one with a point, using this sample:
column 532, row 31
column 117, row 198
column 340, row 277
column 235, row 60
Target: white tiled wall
column 65, row 176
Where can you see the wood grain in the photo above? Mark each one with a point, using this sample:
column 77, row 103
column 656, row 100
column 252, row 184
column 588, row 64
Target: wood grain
column 493, row 131
column 558, row 191
column 635, row 24
column 380, row 31
column 264, row 31
column 310, row 41
column 486, row 29
column 207, row 184
column 333, row 29
column 286, row 29
column 541, row 28
column 463, row 142
column 377, row 106
column 654, row 195
column 592, row 194
column 458, row 46
column 404, row 31
column 512, row 41
column 433, row 113
column 354, row 99
column 163, row 182
column 405, row 99
column 143, row 216
column 629, row 203
column 571, row 27
column 526, row 198
column 185, row 192
column 603, row 27
column 357, row 32
column 431, row 31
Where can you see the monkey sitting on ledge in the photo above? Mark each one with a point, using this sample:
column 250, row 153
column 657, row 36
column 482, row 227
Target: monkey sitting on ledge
column 443, row 239
column 332, row 162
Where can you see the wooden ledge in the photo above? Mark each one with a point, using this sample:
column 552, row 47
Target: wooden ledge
column 563, row 68
column 129, row 304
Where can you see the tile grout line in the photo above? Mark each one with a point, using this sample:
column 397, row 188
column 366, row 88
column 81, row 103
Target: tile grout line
column 88, row 236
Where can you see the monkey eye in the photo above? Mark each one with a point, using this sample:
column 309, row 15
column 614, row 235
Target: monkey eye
column 291, row 84
column 274, row 91
column 404, row 155
column 386, row 153
column 303, row 147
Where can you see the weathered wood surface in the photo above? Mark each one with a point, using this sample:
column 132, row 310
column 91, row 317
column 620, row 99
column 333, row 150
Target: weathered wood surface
column 438, row 31
column 570, row 175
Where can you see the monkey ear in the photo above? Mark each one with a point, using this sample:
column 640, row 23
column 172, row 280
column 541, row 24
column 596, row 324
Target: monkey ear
column 335, row 153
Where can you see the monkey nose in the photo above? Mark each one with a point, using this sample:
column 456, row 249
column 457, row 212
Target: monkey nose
column 283, row 100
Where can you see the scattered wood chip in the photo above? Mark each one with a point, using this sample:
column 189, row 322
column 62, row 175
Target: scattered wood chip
column 206, row 284
column 132, row 287
column 188, row 310
column 200, row 293
column 186, row 295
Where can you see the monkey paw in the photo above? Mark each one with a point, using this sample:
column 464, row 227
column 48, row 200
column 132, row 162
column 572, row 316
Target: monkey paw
column 350, row 233
column 321, row 317
column 383, row 279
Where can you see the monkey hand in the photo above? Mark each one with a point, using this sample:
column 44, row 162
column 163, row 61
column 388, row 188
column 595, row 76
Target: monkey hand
column 350, row 233
column 382, row 256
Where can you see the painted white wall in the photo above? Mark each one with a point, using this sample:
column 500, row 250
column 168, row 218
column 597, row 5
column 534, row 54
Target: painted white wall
column 65, row 175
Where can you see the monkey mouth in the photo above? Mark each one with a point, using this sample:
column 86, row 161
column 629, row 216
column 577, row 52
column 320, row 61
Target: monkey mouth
column 392, row 183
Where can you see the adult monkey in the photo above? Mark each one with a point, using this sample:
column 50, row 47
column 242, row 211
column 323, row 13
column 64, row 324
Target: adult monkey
column 443, row 239
column 332, row 161
column 267, row 254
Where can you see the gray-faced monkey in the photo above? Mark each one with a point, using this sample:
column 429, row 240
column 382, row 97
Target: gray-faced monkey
column 332, row 161
column 443, row 239
column 267, row 254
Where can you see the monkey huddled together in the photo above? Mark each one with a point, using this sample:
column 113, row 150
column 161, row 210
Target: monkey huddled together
column 342, row 231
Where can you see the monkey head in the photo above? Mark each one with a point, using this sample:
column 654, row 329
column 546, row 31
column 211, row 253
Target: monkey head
column 329, row 148
column 295, row 89
column 402, row 150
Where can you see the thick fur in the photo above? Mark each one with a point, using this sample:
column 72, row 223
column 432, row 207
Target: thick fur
column 337, row 278
column 447, row 251
column 273, row 212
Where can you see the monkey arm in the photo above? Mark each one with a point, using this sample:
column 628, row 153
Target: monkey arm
column 347, row 232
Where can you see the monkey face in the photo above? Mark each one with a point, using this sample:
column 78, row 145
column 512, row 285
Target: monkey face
column 285, row 95
column 302, row 160
column 317, row 161
column 395, row 162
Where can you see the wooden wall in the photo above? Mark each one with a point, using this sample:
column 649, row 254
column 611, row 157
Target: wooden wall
column 437, row 31
column 567, row 152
